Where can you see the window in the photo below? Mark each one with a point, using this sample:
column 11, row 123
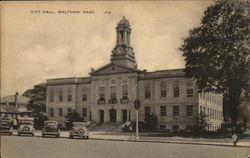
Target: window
column 163, row 88
column 147, row 111
column 113, row 92
column 69, row 94
column 51, row 112
column 147, row 91
column 190, row 110
column 124, row 91
column 51, row 96
column 84, row 94
column 124, row 81
column 175, row 127
column 102, row 93
column 60, row 112
column 190, row 92
column 60, row 97
column 84, row 112
column 213, row 113
column 176, row 90
column 163, row 110
column 176, row 111
column 113, row 81
column 190, row 89
column 90, row 116
column 209, row 113
column 69, row 110
column 162, row 126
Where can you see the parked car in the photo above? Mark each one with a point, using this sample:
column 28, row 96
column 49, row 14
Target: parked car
column 26, row 126
column 6, row 126
column 130, row 126
column 51, row 128
column 79, row 129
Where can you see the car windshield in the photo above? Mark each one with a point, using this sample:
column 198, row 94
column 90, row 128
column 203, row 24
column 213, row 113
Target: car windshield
column 26, row 123
column 4, row 123
column 79, row 124
column 50, row 124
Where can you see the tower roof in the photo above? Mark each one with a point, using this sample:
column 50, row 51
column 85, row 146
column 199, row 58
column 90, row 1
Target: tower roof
column 124, row 22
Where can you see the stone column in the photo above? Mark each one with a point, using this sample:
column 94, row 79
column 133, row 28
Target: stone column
column 118, row 115
column 128, row 38
column 125, row 37
column 106, row 115
column 117, row 38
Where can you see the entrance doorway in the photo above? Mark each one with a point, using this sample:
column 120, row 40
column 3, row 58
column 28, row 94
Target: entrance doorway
column 101, row 114
column 112, row 115
column 124, row 115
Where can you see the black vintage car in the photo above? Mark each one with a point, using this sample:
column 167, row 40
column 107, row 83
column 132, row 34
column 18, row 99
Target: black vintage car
column 79, row 129
column 51, row 128
column 130, row 126
column 6, row 126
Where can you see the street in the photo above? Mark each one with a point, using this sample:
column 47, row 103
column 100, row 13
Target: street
column 38, row 147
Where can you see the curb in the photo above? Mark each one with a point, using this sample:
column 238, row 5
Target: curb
column 169, row 142
column 160, row 141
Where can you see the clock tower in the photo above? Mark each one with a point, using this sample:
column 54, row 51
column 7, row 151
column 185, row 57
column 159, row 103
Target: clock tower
column 123, row 53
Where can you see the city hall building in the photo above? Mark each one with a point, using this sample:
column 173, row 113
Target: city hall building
column 108, row 94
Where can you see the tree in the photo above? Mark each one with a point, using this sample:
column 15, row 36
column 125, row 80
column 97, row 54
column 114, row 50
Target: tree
column 244, row 112
column 200, row 123
column 37, row 104
column 217, row 51
column 72, row 117
column 37, row 111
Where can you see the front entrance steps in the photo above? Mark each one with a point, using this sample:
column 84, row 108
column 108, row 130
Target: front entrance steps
column 105, row 127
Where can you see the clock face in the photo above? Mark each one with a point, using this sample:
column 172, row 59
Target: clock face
column 119, row 50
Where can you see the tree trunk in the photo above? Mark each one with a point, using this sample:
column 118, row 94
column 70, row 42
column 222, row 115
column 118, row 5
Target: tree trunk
column 234, row 99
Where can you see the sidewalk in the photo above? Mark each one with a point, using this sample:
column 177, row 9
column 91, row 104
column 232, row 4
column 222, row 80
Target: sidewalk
column 195, row 141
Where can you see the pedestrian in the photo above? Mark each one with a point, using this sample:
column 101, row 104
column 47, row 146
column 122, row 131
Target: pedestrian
column 235, row 139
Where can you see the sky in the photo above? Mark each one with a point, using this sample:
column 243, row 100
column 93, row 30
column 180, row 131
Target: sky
column 36, row 46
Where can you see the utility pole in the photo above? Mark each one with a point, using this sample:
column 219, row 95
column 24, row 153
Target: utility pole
column 137, row 107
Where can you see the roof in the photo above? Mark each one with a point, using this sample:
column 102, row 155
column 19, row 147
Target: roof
column 40, row 85
column 8, row 109
column 162, row 74
column 113, row 68
column 11, row 98
column 71, row 80
column 124, row 22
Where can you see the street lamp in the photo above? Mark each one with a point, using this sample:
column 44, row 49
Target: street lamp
column 137, row 107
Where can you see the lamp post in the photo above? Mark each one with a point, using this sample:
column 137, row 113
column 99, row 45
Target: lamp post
column 137, row 107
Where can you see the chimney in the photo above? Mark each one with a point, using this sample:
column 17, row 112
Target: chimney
column 16, row 99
